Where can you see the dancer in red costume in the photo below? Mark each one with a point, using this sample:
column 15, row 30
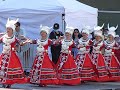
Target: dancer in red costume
column 112, row 62
column 11, row 71
column 83, row 60
column 66, row 67
column 97, row 57
column 43, row 72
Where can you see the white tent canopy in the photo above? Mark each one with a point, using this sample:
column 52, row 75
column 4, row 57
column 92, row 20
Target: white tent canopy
column 31, row 13
column 45, row 5
column 78, row 14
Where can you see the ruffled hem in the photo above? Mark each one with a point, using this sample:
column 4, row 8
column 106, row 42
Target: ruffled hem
column 16, row 81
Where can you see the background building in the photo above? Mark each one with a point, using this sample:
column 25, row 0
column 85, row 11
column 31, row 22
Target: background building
column 109, row 11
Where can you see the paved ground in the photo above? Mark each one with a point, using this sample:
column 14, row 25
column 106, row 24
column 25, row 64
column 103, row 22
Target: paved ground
column 85, row 86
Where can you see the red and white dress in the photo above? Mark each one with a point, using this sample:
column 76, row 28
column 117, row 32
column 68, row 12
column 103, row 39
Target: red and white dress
column 99, row 61
column 66, row 67
column 43, row 72
column 84, row 62
column 11, row 71
column 112, row 62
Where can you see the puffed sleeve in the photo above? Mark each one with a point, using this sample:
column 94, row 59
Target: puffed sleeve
column 50, row 42
column 116, row 44
column 73, row 45
column 89, row 45
column 90, row 42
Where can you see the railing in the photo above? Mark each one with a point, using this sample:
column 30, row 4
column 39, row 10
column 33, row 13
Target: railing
column 26, row 55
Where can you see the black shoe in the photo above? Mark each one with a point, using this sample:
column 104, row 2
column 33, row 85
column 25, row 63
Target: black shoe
column 42, row 85
column 8, row 86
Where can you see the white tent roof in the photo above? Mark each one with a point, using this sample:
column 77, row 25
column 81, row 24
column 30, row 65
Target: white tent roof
column 45, row 5
column 74, row 6
column 31, row 14
column 78, row 14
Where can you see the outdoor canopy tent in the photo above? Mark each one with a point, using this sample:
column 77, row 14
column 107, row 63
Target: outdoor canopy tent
column 32, row 13
column 78, row 14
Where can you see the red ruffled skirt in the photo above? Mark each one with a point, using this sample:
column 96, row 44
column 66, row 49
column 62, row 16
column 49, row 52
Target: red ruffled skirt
column 101, row 68
column 113, row 67
column 11, row 71
column 67, row 70
column 43, row 71
column 86, row 67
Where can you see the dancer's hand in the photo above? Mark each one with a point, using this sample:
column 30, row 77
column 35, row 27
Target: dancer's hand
column 28, row 41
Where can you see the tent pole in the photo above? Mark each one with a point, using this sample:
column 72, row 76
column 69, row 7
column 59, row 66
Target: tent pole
column 63, row 22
